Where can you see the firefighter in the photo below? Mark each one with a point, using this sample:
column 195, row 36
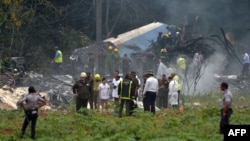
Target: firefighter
column 163, row 56
column 57, row 60
column 126, row 90
column 95, row 101
column 181, row 63
column 90, row 81
column 82, row 90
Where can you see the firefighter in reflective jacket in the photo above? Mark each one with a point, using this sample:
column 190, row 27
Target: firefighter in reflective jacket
column 126, row 91
column 181, row 62
column 163, row 56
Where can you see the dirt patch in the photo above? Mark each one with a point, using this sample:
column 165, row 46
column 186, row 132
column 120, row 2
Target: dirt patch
column 6, row 131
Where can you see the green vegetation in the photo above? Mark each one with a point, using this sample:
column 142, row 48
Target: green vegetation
column 196, row 123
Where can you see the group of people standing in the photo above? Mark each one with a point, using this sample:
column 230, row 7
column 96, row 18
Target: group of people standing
column 99, row 91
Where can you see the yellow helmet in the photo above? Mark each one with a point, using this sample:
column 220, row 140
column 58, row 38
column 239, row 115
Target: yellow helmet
column 97, row 76
column 110, row 47
column 116, row 50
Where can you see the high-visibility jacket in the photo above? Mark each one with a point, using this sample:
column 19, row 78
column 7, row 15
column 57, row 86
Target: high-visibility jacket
column 126, row 89
column 177, row 78
column 59, row 59
column 182, row 63
column 163, row 53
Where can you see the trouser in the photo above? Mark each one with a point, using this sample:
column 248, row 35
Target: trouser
column 93, row 100
column 127, row 103
column 224, row 119
column 58, row 68
column 150, row 101
column 133, row 105
column 159, row 101
column 116, row 105
column 179, row 93
column 31, row 116
column 165, row 100
column 81, row 102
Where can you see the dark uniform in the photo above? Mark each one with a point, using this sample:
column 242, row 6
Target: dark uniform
column 31, row 103
column 92, row 97
column 82, row 88
column 126, row 90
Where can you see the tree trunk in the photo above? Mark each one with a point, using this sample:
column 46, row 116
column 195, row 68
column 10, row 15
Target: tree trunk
column 98, row 20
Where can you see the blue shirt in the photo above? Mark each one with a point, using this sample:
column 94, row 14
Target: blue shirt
column 246, row 59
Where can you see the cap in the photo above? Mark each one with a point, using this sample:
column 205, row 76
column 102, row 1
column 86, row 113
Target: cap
column 150, row 72
column 83, row 74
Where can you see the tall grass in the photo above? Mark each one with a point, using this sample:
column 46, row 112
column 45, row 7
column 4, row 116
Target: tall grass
column 196, row 123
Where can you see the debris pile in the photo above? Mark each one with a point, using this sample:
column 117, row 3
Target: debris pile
column 56, row 89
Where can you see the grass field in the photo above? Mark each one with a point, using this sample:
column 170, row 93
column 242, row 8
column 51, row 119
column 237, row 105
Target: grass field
column 196, row 123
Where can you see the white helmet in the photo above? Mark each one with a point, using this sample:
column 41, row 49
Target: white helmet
column 83, row 74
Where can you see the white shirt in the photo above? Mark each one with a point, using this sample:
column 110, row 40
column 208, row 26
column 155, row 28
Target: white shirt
column 115, row 91
column 151, row 85
column 173, row 92
column 173, row 86
column 104, row 90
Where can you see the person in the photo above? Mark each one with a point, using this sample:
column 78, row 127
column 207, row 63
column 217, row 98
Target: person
column 104, row 90
column 90, row 81
column 163, row 56
column 198, row 59
column 173, row 92
column 161, row 93
column 115, row 82
column 58, row 60
column 125, row 64
column 145, row 76
column 136, row 83
column 101, row 62
column 82, row 90
column 226, row 106
column 150, row 91
column 245, row 69
column 165, row 82
column 97, row 82
column 30, row 104
column 181, row 62
column 126, row 93
column 179, row 86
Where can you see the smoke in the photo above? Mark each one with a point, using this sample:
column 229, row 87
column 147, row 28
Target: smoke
column 229, row 14
column 215, row 64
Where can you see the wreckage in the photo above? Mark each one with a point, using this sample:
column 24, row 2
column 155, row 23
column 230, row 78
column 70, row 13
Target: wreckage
column 219, row 51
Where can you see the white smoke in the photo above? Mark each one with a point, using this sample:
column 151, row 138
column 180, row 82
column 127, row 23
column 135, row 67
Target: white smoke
column 215, row 64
